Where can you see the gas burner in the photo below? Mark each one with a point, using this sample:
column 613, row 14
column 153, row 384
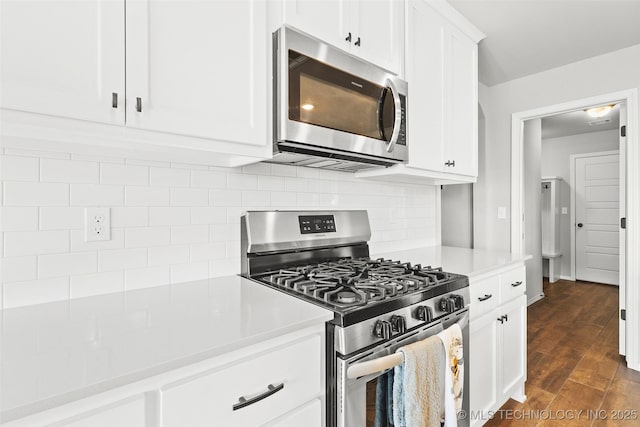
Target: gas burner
column 346, row 297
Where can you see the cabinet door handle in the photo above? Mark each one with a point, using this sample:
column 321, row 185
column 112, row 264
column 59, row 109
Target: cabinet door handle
column 250, row 400
column 357, row 43
column 114, row 100
column 139, row 105
column 348, row 38
column 450, row 163
column 516, row 284
column 485, row 297
column 501, row 319
column 505, row 317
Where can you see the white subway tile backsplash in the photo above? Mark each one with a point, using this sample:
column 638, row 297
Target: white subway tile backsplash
column 256, row 198
column 122, row 259
column 35, row 292
column 208, row 251
column 208, row 179
column 17, row 168
column 271, row 183
column 144, row 237
column 18, row 218
column 169, row 216
column 96, row 195
column 69, row 171
column 79, row 243
column 124, row 174
column 236, row 181
column 96, row 284
column 147, row 196
column 184, row 234
column 18, row 269
column 208, row 215
column 167, row 255
column 69, row 264
column 17, row 243
column 188, row 272
column 147, row 277
column 35, row 194
column 167, row 177
column 169, row 222
column 225, row 198
column 129, row 217
column 189, row 197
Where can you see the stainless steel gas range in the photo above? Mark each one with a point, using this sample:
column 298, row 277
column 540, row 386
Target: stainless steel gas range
column 379, row 305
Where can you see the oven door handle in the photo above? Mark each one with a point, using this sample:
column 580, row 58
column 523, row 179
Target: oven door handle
column 374, row 366
column 398, row 116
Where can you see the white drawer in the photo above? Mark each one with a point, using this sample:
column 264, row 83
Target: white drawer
column 513, row 284
column 208, row 399
column 484, row 296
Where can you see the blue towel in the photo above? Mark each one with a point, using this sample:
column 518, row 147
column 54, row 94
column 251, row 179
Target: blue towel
column 384, row 400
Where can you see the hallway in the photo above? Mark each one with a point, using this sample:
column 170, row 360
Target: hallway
column 573, row 362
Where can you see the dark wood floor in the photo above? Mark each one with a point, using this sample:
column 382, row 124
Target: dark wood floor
column 573, row 362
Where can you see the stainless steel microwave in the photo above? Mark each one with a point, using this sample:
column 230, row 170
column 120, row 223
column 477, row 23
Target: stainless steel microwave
column 333, row 110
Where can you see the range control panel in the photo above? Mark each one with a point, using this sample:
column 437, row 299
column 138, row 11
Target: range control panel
column 317, row 224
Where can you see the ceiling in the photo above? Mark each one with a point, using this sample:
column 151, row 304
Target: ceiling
column 576, row 122
column 529, row 36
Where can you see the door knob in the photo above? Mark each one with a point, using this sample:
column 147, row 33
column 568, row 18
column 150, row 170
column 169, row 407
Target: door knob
column 579, row 225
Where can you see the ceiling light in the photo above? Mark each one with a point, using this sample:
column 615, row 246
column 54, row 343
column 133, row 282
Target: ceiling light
column 601, row 111
column 307, row 107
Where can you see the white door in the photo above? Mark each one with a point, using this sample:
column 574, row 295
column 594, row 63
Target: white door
column 597, row 196
column 513, row 344
column 378, row 28
column 199, row 68
column 63, row 58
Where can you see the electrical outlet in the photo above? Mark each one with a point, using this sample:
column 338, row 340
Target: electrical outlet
column 97, row 224
column 565, row 210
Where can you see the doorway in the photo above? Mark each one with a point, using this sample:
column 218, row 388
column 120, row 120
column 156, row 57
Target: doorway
column 629, row 342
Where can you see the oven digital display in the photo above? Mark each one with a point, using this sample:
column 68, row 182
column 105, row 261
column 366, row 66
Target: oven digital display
column 317, row 224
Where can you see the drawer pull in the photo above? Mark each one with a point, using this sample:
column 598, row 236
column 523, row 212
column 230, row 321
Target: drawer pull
column 250, row 400
column 516, row 284
column 485, row 297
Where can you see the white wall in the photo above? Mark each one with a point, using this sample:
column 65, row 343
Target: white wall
column 170, row 222
column 615, row 71
column 532, row 146
column 456, row 205
column 555, row 162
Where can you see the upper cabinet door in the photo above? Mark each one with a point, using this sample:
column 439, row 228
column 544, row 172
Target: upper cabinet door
column 425, row 75
column 63, row 58
column 199, row 68
column 327, row 20
column 461, row 83
column 378, row 32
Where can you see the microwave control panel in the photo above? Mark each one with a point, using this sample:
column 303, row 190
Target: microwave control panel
column 317, row 224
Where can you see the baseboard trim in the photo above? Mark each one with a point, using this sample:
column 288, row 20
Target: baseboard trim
column 535, row 298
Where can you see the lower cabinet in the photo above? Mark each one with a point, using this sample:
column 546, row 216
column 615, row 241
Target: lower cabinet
column 497, row 340
column 249, row 393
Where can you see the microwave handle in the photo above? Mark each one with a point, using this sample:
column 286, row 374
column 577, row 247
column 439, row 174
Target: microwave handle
column 398, row 115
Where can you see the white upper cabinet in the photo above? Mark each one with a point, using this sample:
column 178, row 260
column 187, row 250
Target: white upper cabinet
column 63, row 58
column 442, row 63
column 199, row 68
column 370, row 29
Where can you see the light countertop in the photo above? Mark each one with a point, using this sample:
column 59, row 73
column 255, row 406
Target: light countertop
column 470, row 262
column 55, row 353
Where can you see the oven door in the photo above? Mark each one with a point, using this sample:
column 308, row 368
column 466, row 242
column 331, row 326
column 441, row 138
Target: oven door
column 363, row 401
column 328, row 98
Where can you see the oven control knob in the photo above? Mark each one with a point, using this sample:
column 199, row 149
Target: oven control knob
column 382, row 329
column 448, row 305
column 458, row 300
column 424, row 313
column 398, row 324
